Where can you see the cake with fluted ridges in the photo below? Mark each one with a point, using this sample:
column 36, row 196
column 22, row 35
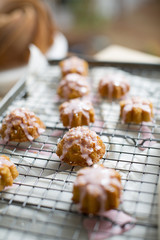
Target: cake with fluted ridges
column 113, row 86
column 23, row 22
column 74, row 65
column 136, row 110
column 21, row 125
column 73, row 85
column 8, row 172
column 76, row 112
column 80, row 146
column 97, row 189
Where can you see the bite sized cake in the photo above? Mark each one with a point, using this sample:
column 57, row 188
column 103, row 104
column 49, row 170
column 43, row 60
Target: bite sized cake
column 21, row 125
column 113, row 86
column 73, row 85
column 8, row 172
column 74, row 65
column 76, row 112
column 97, row 189
column 80, row 146
column 136, row 110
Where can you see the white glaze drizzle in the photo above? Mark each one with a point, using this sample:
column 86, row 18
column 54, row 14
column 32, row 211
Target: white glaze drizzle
column 75, row 106
column 4, row 161
column 24, row 119
column 96, row 180
column 73, row 63
column 136, row 102
column 85, row 139
column 114, row 80
column 74, row 81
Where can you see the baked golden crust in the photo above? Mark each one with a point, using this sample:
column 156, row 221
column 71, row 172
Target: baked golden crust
column 8, row 172
column 113, row 86
column 74, row 65
column 97, row 189
column 73, row 85
column 21, row 125
column 22, row 23
column 136, row 110
column 80, row 146
column 76, row 112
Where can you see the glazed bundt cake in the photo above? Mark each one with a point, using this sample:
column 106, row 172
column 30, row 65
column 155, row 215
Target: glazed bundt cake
column 73, row 85
column 113, row 86
column 74, row 65
column 136, row 110
column 23, row 22
column 76, row 112
column 80, row 146
column 21, row 125
column 8, row 172
column 97, row 189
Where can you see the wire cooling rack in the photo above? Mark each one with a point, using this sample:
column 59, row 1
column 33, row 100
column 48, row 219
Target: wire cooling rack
column 39, row 205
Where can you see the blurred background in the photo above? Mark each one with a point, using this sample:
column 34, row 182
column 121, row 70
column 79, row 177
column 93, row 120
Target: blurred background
column 91, row 25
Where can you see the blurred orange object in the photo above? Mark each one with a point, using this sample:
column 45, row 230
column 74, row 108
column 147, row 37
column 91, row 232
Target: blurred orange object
column 23, row 22
column 8, row 172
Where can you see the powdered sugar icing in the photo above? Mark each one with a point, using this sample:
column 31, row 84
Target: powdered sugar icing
column 97, row 180
column 73, row 63
column 4, row 161
column 76, row 82
column 85, row 139
column 136, row 102
column 23, row 118
column 114, row 80
column 75, row 106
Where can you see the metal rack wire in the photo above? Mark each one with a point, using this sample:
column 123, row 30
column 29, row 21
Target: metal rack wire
column 39, row 205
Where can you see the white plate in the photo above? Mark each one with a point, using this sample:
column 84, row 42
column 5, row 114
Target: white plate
column 8, row 78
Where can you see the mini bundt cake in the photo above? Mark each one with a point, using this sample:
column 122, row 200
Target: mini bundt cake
column 21, row 125
column 97, row 189
column 23, row 22
column 80, row 146
column 136, row 110
column 8, row 172
column 73, row 85
column 74, row 65
column 76, row 112
column 113, row 86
